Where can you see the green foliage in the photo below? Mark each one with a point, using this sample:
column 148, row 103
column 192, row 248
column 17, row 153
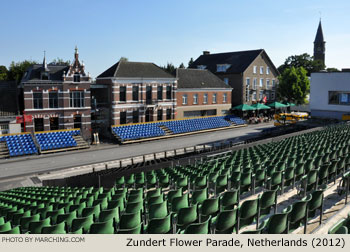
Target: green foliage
column 190, row 62
column 332, row 69
column 304, row 60
column 170, row 68
column 3, row 73
column 182, row 65
column 123, row 59
column 17, row 70
column 294, row 85
column 59, row 61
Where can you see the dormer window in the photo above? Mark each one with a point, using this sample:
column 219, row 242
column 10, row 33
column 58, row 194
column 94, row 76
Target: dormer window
column 222, row 67
column 201, row 67
column 76, row 77
column 44, row 75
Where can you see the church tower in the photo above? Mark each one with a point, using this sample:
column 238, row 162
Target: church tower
column 319, row 45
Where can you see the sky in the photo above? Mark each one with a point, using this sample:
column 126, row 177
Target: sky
column 162, row 31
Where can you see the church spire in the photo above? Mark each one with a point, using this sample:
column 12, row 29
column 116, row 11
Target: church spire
column 44, row 63
column 319, row 45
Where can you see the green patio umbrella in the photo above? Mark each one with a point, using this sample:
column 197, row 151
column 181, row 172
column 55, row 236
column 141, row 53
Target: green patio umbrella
column 259, row 106
column 289, row 104
column 276, row 105
column 244, row 107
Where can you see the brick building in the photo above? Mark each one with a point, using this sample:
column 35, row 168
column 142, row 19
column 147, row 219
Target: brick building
column 201, row 93
column 57, row 97
column 251, row 74
column 139, row 92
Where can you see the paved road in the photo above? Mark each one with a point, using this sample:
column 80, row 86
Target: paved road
column 50, row 162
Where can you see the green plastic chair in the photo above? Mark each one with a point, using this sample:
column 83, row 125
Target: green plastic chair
column 278, row 223
column 117, row 203
column 229, row 199
column 135, row 207
column 248, row 212
column 67, row 218
column 35, row 227
column 186, row 216
column 200, row 182
column 53, row 215
column 157, row 211
column 17, row 217
column 268, row 200
column 174, row 193
column 6, row 226
column 179, row 202
column 130, row 220
column 160, row 225
column 338, row 228
column 24, row 221
column 95, row 210
column 154, row 193
column 226, row 222
column 106, row 215
column 299, row 214
column 155, row 199
column 14, row 230
column 209, row 207
column 199, row 196
column 56, row 229
column 315, row 203
column 78, row 208
column 120, row 182
column 198, row 228
column 106, row 227
column 84, row 223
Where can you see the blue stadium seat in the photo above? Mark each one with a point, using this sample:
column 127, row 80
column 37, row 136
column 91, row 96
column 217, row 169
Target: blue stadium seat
column 20, row 144
column 57, row 139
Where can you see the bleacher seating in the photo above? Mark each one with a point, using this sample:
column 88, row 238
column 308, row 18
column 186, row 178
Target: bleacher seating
column 19, row 144
column 131, row 132
column 151, row 197
column 149, row 130
column 51, row 140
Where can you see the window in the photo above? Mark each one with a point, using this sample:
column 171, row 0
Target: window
column 160, row 114
column 224, row 98
column 254, row 96
column 254, row 69
column 267, row 70
column 122, row 94
column 135, row 93
column 53, row 100
column 77, row 99
column 338, row 97
column 247, row 95
column 214, row 98
column 149, row 94
column 273, row 83
column 54, row 125
column 205, row 98
column 222, row 67
column 76, row 77
column 226, row 81
column 261, row 70
column 195, row 99
column 160, row 93
column 77, row 121
column 123, row 117
column 135, row 116
column 247, row 82
column 168, row 114
column 267, row 96
column 261, row 94
column 272, row 95
column 261, row 84
column 184, row 99
column 168, row 92
column 202, row 67
column 45, row 76
column 267, row 83
column 254, row 83
column 38, row 124
column 38, row 100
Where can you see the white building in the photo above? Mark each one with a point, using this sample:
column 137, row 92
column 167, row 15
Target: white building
column 330, row 94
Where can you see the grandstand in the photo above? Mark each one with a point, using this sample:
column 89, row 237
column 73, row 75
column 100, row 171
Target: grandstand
column 242, row 191
column 20, row 144
column 161, row 129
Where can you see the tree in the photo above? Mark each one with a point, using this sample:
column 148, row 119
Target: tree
column 170, row 68
column 190, row 62
column 182, row 65
column 59, row 61
column 304, row 60
column 123, row 59
column 332, row 69
column 17, row 70
column 3, row 73
column 294, row 85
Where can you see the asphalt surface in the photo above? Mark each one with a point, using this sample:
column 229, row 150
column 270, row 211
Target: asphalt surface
column 49, row 162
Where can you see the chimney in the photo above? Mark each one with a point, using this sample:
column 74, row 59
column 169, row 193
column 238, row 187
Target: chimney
column 206, row 52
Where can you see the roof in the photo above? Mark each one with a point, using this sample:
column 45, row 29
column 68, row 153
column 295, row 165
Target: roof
column 239, row 61
column 127, row 69
column 319, row 34
column 55, row 71
column 196, row 78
